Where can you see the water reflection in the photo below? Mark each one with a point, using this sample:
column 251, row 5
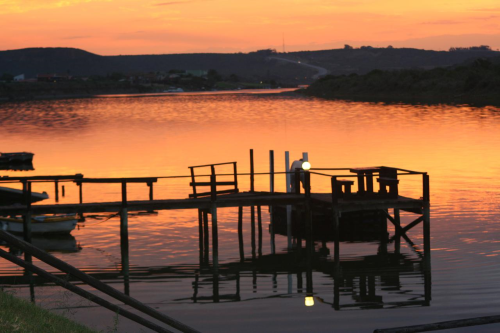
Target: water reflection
column 59, row 243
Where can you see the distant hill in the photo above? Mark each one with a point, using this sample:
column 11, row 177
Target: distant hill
column 253, row 66
column 473, row 81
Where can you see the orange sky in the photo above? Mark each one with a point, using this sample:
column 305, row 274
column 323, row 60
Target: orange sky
column 111, row 27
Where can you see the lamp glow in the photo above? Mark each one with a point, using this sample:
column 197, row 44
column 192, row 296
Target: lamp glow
column 309, row 301
column 306, row 165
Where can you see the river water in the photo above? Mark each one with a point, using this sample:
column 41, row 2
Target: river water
column 155, row 136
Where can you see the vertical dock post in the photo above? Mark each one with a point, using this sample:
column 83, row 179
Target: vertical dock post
column 215, row 233
column 336, row 231
column 287, row 169
column 80, row 191
column 56, row 185
column 252, row 176
column 240, row 234
column 427, row 222
column 259, row 224
column 397, row 240
column 150, row 185
column 200, row 235
column 206, row 237
column 235, row 170
column 273, row 238
column 27, row 217
column 308, row 215
column 271, row 171
column 288, row 208
column 124, row 239
column 63, row 191
column 252, row 226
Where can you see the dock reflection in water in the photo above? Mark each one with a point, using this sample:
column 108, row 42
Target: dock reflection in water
column 385, row 279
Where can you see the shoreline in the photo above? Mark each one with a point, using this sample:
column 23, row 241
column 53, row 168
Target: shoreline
column 145, row 94
column 414, row 99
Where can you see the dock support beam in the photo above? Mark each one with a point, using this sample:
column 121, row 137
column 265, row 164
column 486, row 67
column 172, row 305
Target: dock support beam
column 259, row 224
column 240, row 234
column 397, row 240
column 124, row 240
column 427, row 220
column 252, row 226
column 252, row 171
column 336, row 225
column 56, row 185
column 213, row 211
column 288, row 208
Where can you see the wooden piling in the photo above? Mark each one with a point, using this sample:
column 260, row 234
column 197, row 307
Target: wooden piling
column 336, row 231
column 252, row 171
column 271, row 226
column 240, row 234
column 200, row 234
column 426, row 214
column 150, row 185
column 213, row 211
column 252, row 227
column 271, row 171
column 259, row 224
column 206, row 237
column 27, row 217
column 287, row 169
column 80, row 191
column 56, row 185
column 397, row 240
column 63, row 190
column 308, row 216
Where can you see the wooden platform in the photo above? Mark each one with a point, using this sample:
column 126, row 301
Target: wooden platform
column 228, row 200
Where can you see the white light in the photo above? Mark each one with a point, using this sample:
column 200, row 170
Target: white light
column 309, row 301
column 306, row 165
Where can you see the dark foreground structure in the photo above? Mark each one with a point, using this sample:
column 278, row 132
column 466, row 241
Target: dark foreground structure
column 352, row 210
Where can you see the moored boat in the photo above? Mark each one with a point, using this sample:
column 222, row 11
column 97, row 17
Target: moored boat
column 44, row 224
column 10, row 196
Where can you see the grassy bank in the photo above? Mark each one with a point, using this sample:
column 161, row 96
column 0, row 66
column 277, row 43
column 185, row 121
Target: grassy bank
column 478, row 81
column 17, row 315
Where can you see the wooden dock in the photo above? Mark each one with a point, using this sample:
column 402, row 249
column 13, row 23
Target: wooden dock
column 208, row 196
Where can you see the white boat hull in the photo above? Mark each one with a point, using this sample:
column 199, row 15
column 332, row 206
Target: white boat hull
column 56, row 227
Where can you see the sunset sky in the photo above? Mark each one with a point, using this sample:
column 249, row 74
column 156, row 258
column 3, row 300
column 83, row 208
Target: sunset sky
column 112, row 27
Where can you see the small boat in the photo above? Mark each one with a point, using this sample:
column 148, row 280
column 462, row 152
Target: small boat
column 43, row 224
column 10, row 196
column 23, row 157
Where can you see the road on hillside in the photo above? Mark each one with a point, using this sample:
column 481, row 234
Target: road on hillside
column 321, row 71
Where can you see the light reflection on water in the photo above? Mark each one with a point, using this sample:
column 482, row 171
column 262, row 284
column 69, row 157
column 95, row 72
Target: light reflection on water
column 160, row 136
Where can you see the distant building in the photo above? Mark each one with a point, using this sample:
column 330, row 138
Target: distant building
column 19, row 78
column 52, row 77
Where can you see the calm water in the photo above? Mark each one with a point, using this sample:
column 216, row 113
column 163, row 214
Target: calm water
column 163, row 135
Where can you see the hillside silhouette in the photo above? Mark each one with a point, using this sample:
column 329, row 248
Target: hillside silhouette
column 477, row 79
column 253, row 66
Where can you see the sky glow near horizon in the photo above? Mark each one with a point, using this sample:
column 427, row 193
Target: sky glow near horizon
column 111, row 27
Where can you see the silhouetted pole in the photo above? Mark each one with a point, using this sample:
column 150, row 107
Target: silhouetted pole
column 252, row 176
column 240, row 234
